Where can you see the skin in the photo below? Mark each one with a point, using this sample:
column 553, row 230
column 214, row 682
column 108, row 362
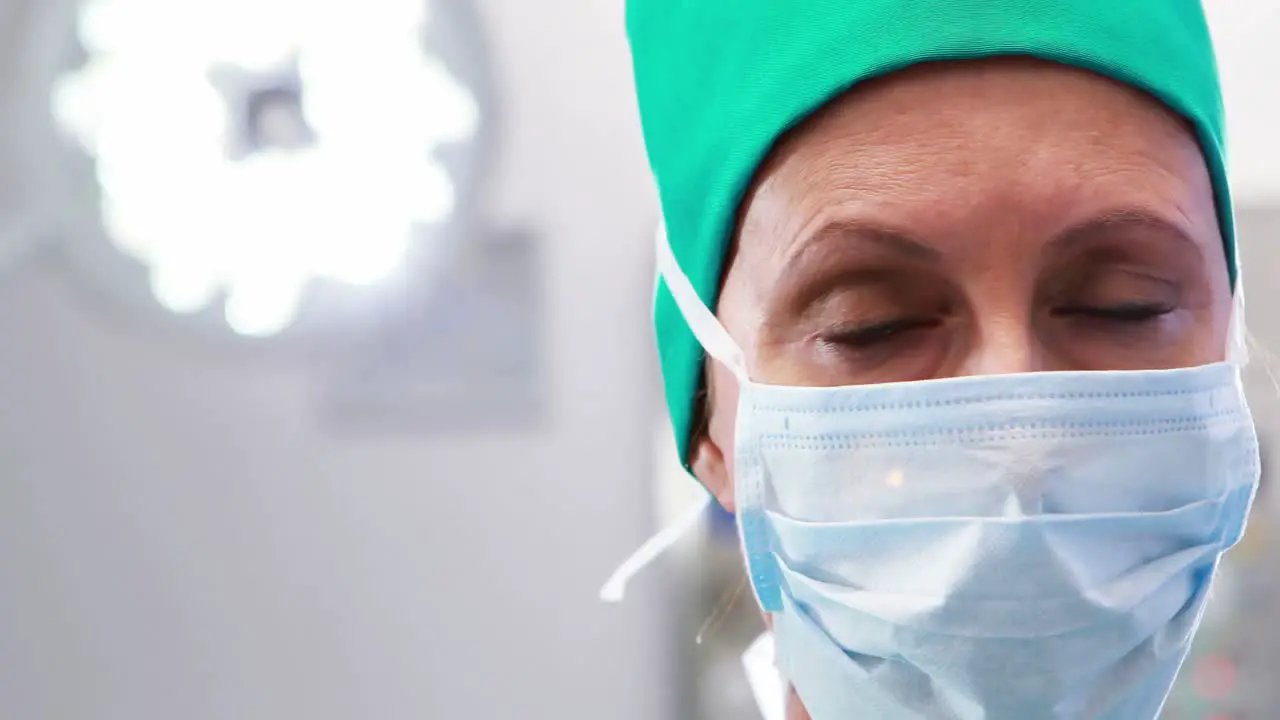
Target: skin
column 981, row 217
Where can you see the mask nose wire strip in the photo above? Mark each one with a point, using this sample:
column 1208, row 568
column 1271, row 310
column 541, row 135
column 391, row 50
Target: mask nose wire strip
column 616, row 587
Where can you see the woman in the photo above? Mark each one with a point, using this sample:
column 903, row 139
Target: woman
column 968, row 382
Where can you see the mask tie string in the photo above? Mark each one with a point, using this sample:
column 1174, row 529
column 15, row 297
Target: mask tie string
column 717, row 343
column 615, row 588
column 1237, row 335
column 711, row 335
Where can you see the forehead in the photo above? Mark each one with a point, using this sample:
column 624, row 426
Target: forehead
column 958, row 151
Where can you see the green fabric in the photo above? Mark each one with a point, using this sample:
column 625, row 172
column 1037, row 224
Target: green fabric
column 719, row 81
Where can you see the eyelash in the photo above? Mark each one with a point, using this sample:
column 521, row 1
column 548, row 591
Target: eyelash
column 1123, row 313
column 869, row 336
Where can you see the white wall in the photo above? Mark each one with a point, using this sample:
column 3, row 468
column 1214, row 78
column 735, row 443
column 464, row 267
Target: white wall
column 179, row 539
column 1245, row 33
column 1260, row 255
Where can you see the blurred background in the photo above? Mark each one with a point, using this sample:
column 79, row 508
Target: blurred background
column 328, row 389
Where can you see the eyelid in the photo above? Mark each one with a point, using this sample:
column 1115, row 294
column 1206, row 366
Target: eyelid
column 874, row 285
column 1105, row 283
column 1137, row 310
column 883, row 330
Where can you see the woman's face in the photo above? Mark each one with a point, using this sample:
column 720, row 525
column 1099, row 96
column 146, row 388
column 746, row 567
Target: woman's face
column 971, row 218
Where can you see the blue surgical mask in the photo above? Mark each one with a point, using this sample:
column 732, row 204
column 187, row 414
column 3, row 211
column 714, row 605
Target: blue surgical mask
column 998, row 547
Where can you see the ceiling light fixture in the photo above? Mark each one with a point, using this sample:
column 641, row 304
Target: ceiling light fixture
column 245, row 148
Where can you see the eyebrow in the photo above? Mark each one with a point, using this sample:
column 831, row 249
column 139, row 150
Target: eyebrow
column 805, row 286
column 869, row 236
column 896, row 242
column 1126, row 219
column 813, row 272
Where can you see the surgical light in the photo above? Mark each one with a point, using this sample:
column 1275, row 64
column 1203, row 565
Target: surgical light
column 245, row 148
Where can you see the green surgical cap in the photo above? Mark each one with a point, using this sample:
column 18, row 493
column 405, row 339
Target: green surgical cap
column 719, row 81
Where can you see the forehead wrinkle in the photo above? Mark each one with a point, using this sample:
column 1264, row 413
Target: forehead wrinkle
column 984, row 155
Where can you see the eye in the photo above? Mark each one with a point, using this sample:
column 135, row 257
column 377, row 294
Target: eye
column 1132, row 312
column 864, row 337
